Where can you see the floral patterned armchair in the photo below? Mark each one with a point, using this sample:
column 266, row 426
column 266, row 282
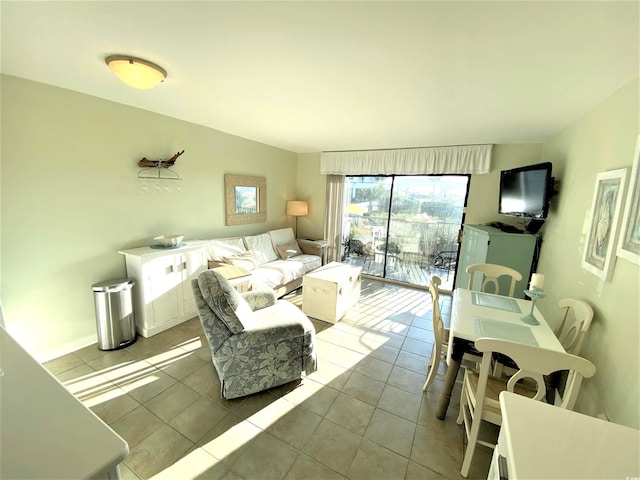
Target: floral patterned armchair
column 257, row 342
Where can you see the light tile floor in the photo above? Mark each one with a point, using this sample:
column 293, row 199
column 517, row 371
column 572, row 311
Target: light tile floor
column 362, row 415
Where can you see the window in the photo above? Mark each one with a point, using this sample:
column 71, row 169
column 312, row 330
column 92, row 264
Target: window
column 404, row 227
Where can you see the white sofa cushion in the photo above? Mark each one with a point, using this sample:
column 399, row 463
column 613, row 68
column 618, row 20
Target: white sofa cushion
column 246, row 260
column 309, row 262
column 262, row 247
column 282, row 236
column 225, row 247
column 264, row 277
column 289, row 269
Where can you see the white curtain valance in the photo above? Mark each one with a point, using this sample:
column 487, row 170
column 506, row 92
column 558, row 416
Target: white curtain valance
column 465, row 159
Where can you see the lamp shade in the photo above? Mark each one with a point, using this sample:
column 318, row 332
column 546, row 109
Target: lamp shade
column 297, row 208
column 136, row 72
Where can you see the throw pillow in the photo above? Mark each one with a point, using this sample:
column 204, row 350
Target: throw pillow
column 225, row 302
column 288, row 250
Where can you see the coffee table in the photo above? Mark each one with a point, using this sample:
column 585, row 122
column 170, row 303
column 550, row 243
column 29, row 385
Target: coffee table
column 329, row 291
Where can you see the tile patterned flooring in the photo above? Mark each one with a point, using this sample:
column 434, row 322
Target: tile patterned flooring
column 362, row 415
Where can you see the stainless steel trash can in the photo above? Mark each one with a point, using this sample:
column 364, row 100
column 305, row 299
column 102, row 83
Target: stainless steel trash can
column 114, row 313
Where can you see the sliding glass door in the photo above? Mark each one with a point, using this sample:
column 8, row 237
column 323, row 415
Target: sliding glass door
column 404, row 228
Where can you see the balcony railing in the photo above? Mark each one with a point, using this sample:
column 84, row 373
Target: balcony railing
column 414, row 250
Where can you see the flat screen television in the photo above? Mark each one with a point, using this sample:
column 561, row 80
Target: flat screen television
column 525, row 191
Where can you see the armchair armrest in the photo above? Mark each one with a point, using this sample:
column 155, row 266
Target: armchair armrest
column 261, row 298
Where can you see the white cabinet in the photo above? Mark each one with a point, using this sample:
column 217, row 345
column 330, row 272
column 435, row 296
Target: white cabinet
column 162, row 294
column 484, row 244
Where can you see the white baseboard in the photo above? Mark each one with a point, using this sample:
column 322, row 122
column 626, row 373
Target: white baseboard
column 67, row 348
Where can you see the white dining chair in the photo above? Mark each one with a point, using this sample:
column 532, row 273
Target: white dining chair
column 576, row 320
column 479, row 400
column 491, row 272
column 440, row 334
column 441, row 337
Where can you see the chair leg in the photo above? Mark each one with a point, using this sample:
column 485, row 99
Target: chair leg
column 434, row 363
column 472, row 441
column 463, row 402
column 498, row 369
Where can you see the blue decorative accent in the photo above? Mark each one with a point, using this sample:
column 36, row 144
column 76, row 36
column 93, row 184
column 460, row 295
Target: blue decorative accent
column 534, row 294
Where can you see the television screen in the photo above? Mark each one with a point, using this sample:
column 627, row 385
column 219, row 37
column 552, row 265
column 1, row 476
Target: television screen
column 525, row 191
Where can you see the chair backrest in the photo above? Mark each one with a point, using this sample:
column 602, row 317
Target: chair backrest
column 534, row 363
column 491, row 274
column 222, row 310
column 575, row 323
column 436, row 314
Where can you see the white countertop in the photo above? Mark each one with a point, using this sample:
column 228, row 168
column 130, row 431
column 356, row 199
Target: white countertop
column 46, row 432
column 148, row 251
column 546, row 441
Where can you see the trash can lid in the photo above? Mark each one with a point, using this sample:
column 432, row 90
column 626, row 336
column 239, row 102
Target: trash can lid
column 113, row 285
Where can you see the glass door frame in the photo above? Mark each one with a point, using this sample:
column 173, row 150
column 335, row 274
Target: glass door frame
column 388, row 225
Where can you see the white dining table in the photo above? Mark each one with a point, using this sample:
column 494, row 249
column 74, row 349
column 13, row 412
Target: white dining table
column 482, row 315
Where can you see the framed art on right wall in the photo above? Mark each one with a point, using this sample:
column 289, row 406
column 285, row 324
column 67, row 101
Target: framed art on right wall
column 629, row 244
column 600, row 250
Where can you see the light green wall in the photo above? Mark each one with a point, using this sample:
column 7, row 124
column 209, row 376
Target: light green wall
column 70, row 199
column 604, row 139
column 482, row 205
column 312, row 188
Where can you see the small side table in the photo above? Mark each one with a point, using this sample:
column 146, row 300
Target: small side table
column 238, row 277
column 324, row 246
column 241, row 284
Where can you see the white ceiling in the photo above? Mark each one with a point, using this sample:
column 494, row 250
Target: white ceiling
column 316, row 76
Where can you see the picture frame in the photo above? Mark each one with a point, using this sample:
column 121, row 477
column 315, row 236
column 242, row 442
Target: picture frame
column 245, row 199
column 629, row 242
column 602, row 237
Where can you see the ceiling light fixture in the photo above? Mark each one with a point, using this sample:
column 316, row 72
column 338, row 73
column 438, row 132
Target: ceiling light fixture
column 136, row 72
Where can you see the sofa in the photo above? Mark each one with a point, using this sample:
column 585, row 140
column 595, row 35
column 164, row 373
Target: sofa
column 257, row 341
column 275, row 259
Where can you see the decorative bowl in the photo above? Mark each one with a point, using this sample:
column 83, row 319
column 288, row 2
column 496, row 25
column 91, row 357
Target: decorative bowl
column 171, row 240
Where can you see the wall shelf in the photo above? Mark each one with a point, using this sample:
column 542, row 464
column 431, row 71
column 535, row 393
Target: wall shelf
column 158, row 173
column 159, row 169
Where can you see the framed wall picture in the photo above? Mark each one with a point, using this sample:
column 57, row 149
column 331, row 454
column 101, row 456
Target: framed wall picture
column 629, row 243
column 245, row 199
column 600, row 250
